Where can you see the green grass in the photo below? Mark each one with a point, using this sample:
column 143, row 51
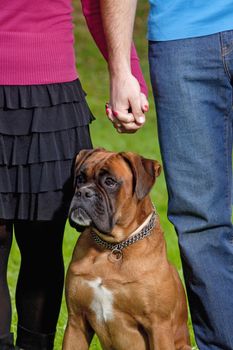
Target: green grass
column 94, row 77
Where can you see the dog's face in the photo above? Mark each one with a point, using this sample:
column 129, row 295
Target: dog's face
column 107, row 184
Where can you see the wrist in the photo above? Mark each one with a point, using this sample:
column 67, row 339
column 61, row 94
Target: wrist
column 119, row 67
column 119, row 73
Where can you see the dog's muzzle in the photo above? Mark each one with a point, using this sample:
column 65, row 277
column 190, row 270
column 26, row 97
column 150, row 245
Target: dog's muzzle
column 78, row 216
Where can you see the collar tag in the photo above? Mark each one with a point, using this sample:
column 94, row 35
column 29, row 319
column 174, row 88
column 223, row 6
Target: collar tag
column 115, row 255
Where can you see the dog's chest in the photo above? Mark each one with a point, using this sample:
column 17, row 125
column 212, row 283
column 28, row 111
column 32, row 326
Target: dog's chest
column 106, row 300
column 102, row 299
column 107, row 306
column 103, row 293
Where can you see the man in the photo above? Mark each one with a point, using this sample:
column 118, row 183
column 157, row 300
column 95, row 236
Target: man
column 191, row 66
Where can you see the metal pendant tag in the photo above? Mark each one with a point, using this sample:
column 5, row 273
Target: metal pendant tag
column 115, row 255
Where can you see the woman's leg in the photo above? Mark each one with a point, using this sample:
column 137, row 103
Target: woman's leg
column 40, row 282
column 5, row 302
column 192, row 83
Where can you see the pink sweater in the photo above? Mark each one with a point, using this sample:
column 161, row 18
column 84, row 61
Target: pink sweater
column 37, row 42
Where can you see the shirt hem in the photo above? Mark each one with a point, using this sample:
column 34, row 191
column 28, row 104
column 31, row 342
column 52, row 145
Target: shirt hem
column 181, row 35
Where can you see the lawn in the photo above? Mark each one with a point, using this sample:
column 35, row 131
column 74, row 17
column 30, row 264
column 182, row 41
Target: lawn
column 94, row 77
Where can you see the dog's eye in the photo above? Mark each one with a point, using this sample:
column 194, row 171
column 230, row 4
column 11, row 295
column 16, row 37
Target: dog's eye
column 81, row 178
column 110, row 182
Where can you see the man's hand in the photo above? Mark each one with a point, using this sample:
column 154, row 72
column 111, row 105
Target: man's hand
column 127, row 105
column 125, row 100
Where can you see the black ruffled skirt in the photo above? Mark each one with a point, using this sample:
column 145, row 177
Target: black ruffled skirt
column 42, row 128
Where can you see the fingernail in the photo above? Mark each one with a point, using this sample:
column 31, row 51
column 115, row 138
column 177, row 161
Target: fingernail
column 141, row 119
column 146, row 108
column 107, row 111
column 115, row 113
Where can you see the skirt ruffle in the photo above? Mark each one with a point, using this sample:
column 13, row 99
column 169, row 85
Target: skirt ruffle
column 42, row 128
column 29, row 96
column 41, row 147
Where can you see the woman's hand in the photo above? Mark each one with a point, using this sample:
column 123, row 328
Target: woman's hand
column 126, row 122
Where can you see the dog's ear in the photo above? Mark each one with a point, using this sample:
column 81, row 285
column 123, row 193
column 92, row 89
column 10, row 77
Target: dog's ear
column 144, row 171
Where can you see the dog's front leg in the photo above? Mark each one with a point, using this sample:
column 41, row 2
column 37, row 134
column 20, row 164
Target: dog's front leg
column 161, row 337
column 78, row 334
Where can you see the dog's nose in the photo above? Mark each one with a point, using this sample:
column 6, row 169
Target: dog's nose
column 85, row 192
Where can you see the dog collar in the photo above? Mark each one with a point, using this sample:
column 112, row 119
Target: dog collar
column 116, row 248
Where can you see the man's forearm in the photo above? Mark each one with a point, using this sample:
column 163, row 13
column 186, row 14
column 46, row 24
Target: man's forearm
column 92, row 13
column 118, row 22
column 125, row 97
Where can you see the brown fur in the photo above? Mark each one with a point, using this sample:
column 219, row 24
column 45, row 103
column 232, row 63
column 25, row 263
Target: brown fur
column 149, row 303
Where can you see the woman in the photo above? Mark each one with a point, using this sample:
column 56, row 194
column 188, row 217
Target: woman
column 44, row 123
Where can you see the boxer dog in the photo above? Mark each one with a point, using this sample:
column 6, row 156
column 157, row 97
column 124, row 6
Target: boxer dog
column 120, row 284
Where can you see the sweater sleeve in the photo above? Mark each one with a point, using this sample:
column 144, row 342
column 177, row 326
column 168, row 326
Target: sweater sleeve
column 91, row 11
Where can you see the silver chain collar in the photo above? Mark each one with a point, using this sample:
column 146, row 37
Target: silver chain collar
column 116, row 248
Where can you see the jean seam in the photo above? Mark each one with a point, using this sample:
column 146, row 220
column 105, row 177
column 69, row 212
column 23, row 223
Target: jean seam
column 226, row 143
column 226, row 154
column 223, row 55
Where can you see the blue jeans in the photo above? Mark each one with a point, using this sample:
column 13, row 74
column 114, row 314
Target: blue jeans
column 192, row 81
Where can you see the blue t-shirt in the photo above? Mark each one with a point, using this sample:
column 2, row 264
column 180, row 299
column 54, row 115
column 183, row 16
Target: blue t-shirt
column 179, row 19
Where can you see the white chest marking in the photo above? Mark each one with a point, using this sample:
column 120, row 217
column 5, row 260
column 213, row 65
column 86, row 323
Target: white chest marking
column 102, row 303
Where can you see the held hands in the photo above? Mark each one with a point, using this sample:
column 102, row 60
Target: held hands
column 127, row 104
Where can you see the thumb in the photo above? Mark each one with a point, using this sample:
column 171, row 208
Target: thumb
column 137, row 112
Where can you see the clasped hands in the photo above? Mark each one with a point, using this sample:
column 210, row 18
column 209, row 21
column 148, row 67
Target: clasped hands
column 127, row 106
